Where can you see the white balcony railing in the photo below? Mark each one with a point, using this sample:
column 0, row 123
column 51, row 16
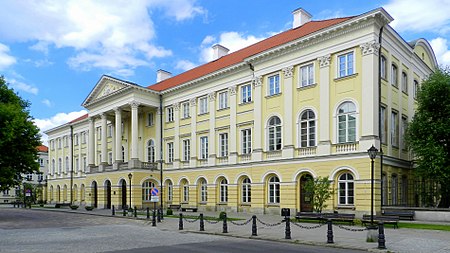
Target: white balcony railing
column 311, row 151
column 346, row 147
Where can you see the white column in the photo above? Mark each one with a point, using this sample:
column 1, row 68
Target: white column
column 80, row 158
column 193, row 105
column 158, row 153
column 104, row 142
column 212, row 129
column 118, row 139
column 176, row 142
column 233, row 137
column 288, row 136
column 134, row 129
column 324, row 145
column 91, row 143
column 369, row 110
column 257, row 134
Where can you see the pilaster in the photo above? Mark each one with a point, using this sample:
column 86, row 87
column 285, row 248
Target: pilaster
column 288, row 137
column 193, row 105
column 233, row 133
column 324, row 144
column 176, row 143
column 257, row 115
column 212, row 130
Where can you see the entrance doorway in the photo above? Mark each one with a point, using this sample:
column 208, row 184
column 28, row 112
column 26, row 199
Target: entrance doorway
column 123, row 195
column 94, row 194
column 108, row 194
column 305, row 197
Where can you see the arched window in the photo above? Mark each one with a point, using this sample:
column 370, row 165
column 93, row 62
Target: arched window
column 346, row 189
column 51, row 192
column 308, row 129
column 384, row 183
column 169, row 191
column 151, row 151
column 346, row 122
column 394, row 189
column 59, row 165
column 184, row 191
column 82, row 192
column 146, row 189
column 246, row 190
column 203, row 191
column 65, row 193
column 75, row 192
column 274, row 133
column 223, row 190
column 274, row 190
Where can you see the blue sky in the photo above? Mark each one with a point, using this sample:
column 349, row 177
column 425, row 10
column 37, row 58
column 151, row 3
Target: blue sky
column 52, row 53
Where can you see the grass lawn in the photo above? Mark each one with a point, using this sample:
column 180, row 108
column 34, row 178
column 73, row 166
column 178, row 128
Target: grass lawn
column 425, row 226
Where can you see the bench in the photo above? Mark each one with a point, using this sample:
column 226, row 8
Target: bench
column 308, row 216
column 402, row 214
column 385, row 219
column 175, row 207
column 340, row 217
column 185, row 209
column 59, row 205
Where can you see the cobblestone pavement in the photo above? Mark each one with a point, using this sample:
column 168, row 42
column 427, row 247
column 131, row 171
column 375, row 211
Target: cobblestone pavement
column 270, row 227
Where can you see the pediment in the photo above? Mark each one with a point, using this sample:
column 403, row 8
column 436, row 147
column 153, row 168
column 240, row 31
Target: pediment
column 105, row 87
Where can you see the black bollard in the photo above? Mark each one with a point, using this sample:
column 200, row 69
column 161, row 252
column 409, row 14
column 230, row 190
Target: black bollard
column 135, row 211
column 202, row 223
column 225, row 226
column 124, row 212
column 330, row 231
column 148, row 213
column 254, row 228
column 287, row 233
column 381, row 239
column 153, row 219
column 180, row 223
column 113, row 210
column 162, row 213
column 158, row 215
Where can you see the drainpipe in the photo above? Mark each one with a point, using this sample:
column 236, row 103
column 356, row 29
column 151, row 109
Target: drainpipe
column 161, row 150
column 71, row 165
column 380, row 37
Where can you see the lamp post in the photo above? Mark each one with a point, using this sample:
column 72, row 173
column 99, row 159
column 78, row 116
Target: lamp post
column 129, row 177
column 372, row 152
column 40, row 178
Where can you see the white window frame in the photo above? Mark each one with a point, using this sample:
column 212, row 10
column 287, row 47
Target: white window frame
column 77, row 164
column 394, row 75
column 150, row 151
column 202, row 105
column 306, row 75
column 349, row 68
column 223, row 144
column 186, row 112
column 383, row 66
column 306, row 126
column 273, row 189
column 110, row 130
column 75, row 136
column 347, row 116
column 246, row 190
column 273, row 85
column 383, row 120
column 246, row 140
column 203, row 191
column 84, row 163
column 246, row 93
column 223, row 190
column 147, row 186
column 186, row 149
column 99, row 133
column 185, row 192
column 110, row 158
column 347, row 196
column 170, row 154
column 415, row 88
column 404, row 125
column 204, row 147
column 395, row 128
column 223, row 100
column 150, row 119
column 170, row 115
column 274, row 135
column 405, row 82
column 169, row 191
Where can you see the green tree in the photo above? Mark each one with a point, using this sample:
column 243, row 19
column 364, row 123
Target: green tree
column 428, row 134
column 19, row 138
column 320, row 191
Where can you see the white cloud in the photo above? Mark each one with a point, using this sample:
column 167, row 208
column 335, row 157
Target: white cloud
column 104, row 34
column 441, row 50
column 231, row 40
column 47, row 102
column 185, row 65
column 18, row 85
column 6, row 60
column 419, row 15
column 56, row 120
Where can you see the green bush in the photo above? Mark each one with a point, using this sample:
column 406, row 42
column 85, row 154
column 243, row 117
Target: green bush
column 73, row 207
column 222, row 215
column 89, row 208
column 169, row 212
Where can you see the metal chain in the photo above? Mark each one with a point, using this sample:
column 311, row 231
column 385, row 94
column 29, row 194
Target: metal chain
column 267, row 224
column 307, row 227
column 241, row 224
column 191, row 221
column 212, row 222
column 351, row 229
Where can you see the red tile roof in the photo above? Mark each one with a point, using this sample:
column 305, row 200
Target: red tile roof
column 79, row 118
column 42, row 148
column 240, row 55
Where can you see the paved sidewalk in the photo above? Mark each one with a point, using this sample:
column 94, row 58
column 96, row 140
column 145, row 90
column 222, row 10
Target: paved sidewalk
column 270, row 227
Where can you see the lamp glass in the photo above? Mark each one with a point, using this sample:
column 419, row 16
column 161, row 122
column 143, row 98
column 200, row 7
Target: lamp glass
column 372, row 151
column 130, row 176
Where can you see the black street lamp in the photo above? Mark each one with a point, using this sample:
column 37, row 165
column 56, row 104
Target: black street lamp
column 129, row 177
column 372, row 152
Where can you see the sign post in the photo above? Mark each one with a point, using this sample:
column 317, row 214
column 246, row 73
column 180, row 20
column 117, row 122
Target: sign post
column 154, row 197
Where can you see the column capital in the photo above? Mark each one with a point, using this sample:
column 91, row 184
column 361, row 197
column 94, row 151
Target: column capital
column 371, row 47
column 232, row 90
column 288, row 71
column 91, row 119
column 324, row 61
column 103, row 115
column 212, row 96
column 257, row 81
column 117, row 110
column 134, row 104
column 176, row 106
column 193, row 102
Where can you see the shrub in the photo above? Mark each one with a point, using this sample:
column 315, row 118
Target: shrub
column 73, row 207
column 222, row 215
column 169, row 212
column 89, row 208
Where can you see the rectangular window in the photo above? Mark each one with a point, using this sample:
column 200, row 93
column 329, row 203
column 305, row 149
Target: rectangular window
column 84, row 163
column 274, row 85
column 404, row 126
column 170, row 114
column 170, row 192
column 246, row 141
column 416, row 88
column 203, row 105
column 246, row 93
column 383, row 67
column 66, row 141
column 186, row 113
column 99, row 133
column 346, row 64
column 404, row 82
column 77, row 164
column 41, row 162
column 110, row 130
column 52, row 144
column 383, row 120
column 223, row 142
column 110, row 160
column 223, row 100
column 185, row 193
column 394, row 75
column 75, row 136
column 29, row 177
column 186, row 149
column 83, row 137
column 59, row 143
column 394, row 129
column 204, row 147
column 150, row 119
column 307, row 75
column 170, row 152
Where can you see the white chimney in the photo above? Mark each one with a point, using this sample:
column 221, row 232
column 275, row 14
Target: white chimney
column 301, row 17
column 219, row 51
column 162, row 75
